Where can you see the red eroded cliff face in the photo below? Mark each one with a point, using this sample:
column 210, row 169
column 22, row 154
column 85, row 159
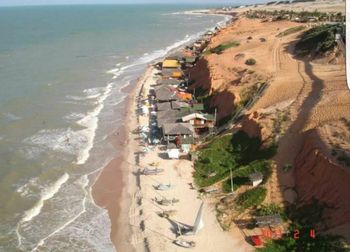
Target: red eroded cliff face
column 317, row 176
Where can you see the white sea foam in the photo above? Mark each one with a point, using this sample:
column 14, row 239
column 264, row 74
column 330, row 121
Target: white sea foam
column 25, row 189
column 90, row 121
column 47, row 194
column 84, row 182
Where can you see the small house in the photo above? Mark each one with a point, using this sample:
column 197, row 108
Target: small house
column 167, row 116
column 199, row 120
column 172, row 73
column 173, row 130
column 164, row 106
column 169, row 82
column 170, row 63
column 256, row 178
column 173, row 151
column 165, row 93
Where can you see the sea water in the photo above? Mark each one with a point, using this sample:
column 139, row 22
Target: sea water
column 62, row 74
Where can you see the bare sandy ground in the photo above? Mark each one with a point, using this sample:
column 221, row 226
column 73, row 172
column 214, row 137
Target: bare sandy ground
column 319, row 5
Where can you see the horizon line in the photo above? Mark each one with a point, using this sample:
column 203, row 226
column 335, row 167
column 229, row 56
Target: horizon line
column 94, row 4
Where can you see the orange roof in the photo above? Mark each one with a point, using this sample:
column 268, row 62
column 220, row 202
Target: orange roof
column 170, row 63
column 184, row 96
column 176, row 74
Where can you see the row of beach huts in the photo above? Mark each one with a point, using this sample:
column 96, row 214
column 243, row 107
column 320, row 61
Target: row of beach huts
column 176, row 118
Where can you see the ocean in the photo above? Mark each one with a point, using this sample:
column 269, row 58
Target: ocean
column 64, row 72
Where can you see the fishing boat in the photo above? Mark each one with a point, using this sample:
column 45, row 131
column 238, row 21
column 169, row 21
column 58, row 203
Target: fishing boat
column 149, row 171
column 198, row 224
column 163, row 187
column 167, row 213
column 184, row 243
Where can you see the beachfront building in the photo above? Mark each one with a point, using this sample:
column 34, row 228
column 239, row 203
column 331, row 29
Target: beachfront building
column 256, row 178
column 165, row 94
column 169, row 82
column 171, row 63
column 172, row 73
column 172, row 131
column 168, row 116
column 200, row 122
column 171, row 68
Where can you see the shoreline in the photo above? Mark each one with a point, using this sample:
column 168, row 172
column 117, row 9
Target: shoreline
column 118, row 201
column 117, row 198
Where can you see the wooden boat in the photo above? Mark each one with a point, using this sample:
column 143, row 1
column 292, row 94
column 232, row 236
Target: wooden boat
column 166, row 202
column 149, row 171
column 184, row 243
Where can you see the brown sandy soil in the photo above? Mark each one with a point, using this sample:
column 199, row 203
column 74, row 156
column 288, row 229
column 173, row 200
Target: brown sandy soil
column 319, row 5
column 303, row 97
column 228, row 74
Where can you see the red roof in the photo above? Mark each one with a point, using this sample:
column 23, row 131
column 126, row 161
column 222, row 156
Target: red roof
column 256, row 240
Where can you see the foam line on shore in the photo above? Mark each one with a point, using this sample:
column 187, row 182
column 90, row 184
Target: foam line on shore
column 47, row 194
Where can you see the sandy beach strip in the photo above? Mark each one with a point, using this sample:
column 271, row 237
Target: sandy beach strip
column 157, row 234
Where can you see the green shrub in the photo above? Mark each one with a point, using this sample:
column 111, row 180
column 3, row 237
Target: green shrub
column 291, row 30
column 220, row 48
column 269, row 209
column 250, row 62
column 252, row 197
column 237, row 152
column 236, row 183
column 317, row 40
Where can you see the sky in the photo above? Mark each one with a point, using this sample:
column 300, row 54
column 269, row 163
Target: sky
column 55, row 2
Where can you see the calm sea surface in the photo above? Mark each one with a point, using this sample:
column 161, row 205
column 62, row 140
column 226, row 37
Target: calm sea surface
column 62, row 73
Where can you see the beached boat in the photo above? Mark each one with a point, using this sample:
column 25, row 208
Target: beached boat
column 149, row 171
column 198, row 224
column 163, row 187
column 184, row 243
column 167, row 213
column 166, row 202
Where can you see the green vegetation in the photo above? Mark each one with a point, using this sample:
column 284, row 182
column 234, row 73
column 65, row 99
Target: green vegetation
column 304, row 217
column 269, row 209
column 238, row 152
column 291, row 30
column 318, row 40
column 250, row 62
column 252, row 197
column 279, row 121
column 261, row 165
column 220, row 48
column 236, row 183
